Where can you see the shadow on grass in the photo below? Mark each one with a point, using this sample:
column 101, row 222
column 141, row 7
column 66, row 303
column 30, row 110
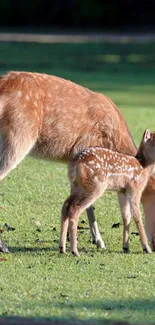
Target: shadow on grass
column 48, row 321
column 120, row 305
column 88, row 250
column 131, row 252
column 22, row 249
column 31, row 249
column 126, row 308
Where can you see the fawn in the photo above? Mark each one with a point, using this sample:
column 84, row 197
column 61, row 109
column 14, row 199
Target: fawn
column 96, row 170
column 53, row 118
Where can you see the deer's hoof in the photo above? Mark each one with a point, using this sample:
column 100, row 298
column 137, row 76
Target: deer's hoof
column 62, row 250
column 147, row 250
column 99, row 243
column 76, row 254
column 3, row 248
column 126, row 250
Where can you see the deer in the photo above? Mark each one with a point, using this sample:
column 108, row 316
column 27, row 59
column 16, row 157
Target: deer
column 51, row 118
column 96, row 170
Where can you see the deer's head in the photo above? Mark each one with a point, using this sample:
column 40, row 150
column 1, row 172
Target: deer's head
column 146, row 151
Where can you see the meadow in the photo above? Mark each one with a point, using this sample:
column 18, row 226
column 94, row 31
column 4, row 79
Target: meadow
column 100, row 286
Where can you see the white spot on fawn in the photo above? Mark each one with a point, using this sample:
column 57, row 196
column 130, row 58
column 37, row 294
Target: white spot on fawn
column 98, row 165
column 19, row 94
column 27, row 97
column 35, row 103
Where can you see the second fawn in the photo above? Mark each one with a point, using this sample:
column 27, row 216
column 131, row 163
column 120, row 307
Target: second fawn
column 97, row 169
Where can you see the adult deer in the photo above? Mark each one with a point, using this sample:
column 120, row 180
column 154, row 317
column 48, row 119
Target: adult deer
column 54, row 118
column 95, row 170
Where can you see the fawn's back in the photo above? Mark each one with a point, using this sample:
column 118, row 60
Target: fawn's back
column 115, row 171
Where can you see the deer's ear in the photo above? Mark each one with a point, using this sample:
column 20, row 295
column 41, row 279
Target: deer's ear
column 147, row 135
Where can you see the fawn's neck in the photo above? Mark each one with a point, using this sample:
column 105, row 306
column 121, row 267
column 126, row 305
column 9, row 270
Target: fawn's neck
column 146, row 162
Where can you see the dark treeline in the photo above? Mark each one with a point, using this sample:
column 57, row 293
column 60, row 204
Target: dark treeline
column 77, row 13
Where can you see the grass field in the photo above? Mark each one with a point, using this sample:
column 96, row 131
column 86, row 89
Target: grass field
column 100, row 286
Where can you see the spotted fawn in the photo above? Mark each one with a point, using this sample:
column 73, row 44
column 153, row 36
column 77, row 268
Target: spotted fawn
column 96, row 170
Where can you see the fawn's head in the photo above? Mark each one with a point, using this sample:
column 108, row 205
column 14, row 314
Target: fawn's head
column 146, row 151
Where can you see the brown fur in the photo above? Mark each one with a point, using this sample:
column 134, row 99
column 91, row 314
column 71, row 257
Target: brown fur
column 54, row 118
column 96, row 170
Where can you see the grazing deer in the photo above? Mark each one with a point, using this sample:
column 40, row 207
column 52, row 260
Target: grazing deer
column 53, row 118
column 95, row 170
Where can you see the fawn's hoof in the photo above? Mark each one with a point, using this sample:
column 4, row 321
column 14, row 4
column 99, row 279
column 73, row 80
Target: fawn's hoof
column 99, row 243
column 126, row 250
column 76, row 254
column 3, row 248
column 62, row 250
column 147, row 250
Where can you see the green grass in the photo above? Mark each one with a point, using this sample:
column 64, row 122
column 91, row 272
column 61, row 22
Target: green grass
column 36, row 281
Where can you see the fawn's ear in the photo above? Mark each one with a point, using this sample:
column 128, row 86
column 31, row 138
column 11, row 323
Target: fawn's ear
column 147, row 135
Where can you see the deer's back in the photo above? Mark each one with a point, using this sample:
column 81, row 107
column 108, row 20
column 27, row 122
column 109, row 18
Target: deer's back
column 69, row 117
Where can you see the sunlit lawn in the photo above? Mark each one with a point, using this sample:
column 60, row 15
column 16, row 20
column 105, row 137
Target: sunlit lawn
column 101, row 285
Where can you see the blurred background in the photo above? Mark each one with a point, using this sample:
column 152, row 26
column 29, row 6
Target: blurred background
column 106, row 45
column 75, row 14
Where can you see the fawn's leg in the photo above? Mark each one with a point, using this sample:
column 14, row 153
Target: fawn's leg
column 64, row 225
column 75, row 209
column 65, row 218
column 126, row 216
column 70, row 213
column 96, row 237
column 135, row 210
column 90, row 193
column 72, row 208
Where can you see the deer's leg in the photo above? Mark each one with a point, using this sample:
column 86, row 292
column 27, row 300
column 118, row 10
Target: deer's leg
column 135, row 210
column 96, row 237
column 14, row 146
column 126, row 216
column 148, row 201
